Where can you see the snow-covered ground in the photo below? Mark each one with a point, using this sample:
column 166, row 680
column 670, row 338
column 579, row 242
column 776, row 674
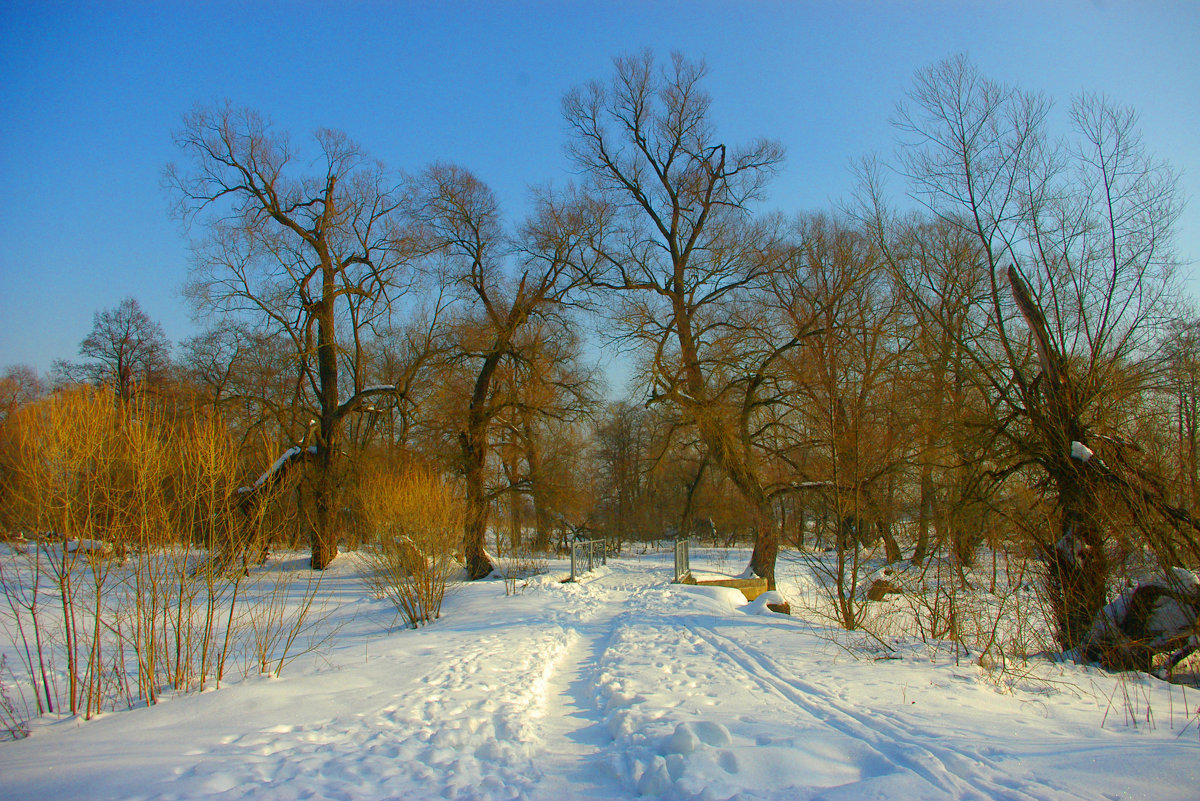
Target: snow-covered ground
column 623, row 686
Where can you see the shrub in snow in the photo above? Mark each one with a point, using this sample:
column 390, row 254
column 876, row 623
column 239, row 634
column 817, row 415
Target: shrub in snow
column 144, row 584
column 416, row 519
column 518, row 566
column 13, row 722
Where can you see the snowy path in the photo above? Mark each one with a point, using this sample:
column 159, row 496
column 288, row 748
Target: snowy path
column 573, row 732
column 616, row 687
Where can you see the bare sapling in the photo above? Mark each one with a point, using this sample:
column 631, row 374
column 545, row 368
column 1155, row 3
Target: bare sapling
column 137, row 580
column 14, row 712
column 518, row 566
column 279, row 607
column 58, row 491
column 518, row 562
column 21, row 596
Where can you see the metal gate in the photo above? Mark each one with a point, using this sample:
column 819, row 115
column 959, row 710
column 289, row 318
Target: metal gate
column 683, row 564
column 587, row 555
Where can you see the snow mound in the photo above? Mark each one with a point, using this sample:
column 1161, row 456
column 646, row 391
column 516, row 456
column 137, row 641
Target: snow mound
column 715, row 599
column 689, row 737
column 759, row 605
column 1156, row 616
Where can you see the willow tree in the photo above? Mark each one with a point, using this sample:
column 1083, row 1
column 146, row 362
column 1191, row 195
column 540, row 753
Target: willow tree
column 512, row 290
column 1074, row 239
column 682, row 254
column 311, row 259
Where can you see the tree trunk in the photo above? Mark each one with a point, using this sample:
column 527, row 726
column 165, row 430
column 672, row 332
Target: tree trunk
column 541, row 537
column 474, row 442
column 475, row 529
column 323, row 538
column 766, row 534
column 735, row 464
column 1077, row 574
column 537, row 492
column 891, row 548
column 924, row 513
column 1193, row 494
column 783, row 520
column 515, row 523
column 687, row 521
column 1077, row 567
column 766, row 551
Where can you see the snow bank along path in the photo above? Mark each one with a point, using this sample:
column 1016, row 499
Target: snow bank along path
column 618, row 686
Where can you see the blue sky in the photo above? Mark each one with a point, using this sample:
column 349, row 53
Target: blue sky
column 90, row 92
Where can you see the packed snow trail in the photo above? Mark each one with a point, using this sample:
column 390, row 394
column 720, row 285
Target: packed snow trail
column 573, row 733
column 619, row 686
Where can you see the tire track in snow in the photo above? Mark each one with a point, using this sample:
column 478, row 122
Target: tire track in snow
column 940, row 766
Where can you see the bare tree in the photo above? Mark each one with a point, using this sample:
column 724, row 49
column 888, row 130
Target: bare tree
column 125, row 349
column 1074, row 240
column 210, row 362
column 19, row 385
column 510, row 288
column 839, row 383
column 680, row 252
column 940, row 278
column 313, row 260
column 551, row 395
column 623, row 455
column 1181, row 384
column 404, row 357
